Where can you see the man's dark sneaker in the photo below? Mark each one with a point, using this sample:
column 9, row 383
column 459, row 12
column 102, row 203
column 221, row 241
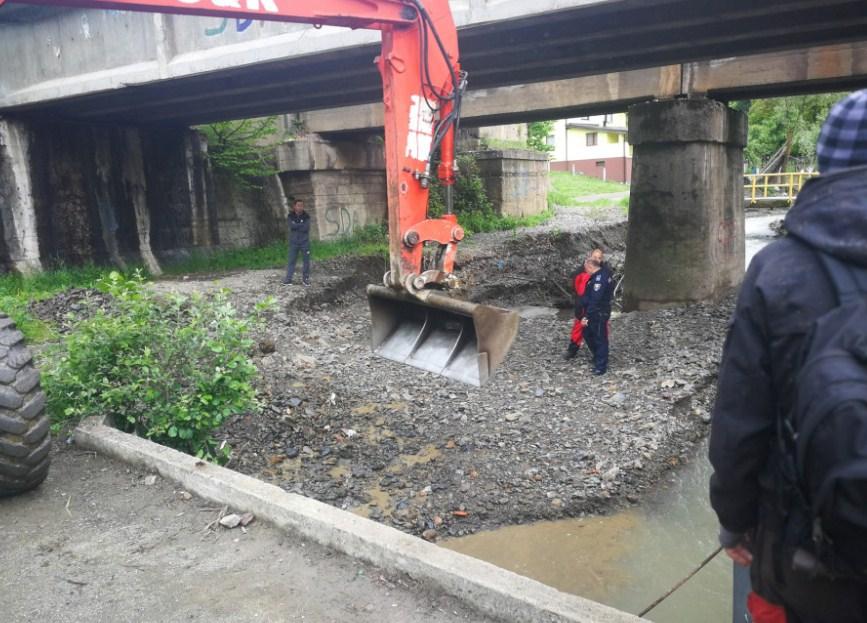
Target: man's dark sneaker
column 286, row 282
column 306, row 283
column 571, row 351
column 598, row 372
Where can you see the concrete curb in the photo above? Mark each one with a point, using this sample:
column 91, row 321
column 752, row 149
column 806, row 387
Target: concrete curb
column 494, row 591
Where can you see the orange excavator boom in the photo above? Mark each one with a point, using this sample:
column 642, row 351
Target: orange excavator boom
column 422, row 88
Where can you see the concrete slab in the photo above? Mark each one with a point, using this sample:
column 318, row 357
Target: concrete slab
column 104, row 542
column 494, row 591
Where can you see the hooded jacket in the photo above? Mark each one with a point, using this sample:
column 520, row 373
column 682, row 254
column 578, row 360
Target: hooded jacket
column 299, row 229
column 784, row 291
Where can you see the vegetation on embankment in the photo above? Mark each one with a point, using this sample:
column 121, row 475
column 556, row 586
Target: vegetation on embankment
column 569, row 190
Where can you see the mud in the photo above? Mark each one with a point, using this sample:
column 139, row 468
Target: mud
column 544, row 440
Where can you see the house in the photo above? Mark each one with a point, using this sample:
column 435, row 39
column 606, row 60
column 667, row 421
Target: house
column 593, row 145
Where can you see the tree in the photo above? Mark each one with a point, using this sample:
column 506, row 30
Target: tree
column 784, row 128
column 537, row 135
column 241, row 149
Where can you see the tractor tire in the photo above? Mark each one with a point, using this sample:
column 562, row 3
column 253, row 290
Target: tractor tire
column 25, row 440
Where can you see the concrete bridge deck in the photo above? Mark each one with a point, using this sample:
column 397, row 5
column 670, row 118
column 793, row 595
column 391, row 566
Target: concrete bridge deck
column 100, row 66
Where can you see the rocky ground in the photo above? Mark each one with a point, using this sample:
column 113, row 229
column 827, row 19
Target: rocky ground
column 544, row 439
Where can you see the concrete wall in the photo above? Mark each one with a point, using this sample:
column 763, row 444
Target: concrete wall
column 342, row 183
column 686, row 215
column 73, row 194
column 516, row 180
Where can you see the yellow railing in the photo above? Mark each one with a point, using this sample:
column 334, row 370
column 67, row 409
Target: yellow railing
column 766, row 186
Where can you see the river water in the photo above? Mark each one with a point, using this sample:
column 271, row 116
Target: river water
column 629, row 559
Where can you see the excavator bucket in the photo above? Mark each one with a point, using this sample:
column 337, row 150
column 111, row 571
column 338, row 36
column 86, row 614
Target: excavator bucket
column 456, row 339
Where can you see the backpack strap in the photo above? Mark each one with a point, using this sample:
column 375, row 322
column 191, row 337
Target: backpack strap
column 849, row 281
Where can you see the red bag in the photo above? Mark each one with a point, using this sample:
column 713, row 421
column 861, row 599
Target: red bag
column 763, row 611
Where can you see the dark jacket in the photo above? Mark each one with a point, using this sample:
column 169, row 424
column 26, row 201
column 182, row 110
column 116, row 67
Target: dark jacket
column 597, row 295
column 299, row 229
column 784, row 291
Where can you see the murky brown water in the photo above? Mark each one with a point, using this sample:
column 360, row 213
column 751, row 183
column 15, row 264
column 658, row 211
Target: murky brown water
column 628, row 559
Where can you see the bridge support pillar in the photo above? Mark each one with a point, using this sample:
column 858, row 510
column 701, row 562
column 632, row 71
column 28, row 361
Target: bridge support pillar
column 686, row 214
column 19, row 239
column 342, row 183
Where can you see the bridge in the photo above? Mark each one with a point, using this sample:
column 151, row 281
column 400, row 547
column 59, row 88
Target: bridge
column 127, row 67
column 97, row 164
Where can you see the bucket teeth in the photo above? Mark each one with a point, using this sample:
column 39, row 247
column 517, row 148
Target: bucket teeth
column 463, row 341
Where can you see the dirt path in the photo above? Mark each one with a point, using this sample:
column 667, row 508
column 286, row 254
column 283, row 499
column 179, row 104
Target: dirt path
column 96, row 543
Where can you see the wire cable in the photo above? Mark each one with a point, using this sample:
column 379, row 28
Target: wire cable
column 703, row 564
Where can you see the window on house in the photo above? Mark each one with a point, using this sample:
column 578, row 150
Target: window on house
column 550, row 140
column 592, row 139
column 609, row 119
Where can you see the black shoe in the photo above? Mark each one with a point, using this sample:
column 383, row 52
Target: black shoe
column 306, row 283
column 571, row 351
column 285, row 282
column 598, row 372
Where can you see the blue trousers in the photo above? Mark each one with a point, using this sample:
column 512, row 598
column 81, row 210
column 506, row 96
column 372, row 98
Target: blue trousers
column 294, row 250
column 596, row 336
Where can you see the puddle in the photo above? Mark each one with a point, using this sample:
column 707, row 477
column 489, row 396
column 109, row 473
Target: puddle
column 338, row 472
column 378, row 499
column 427, row 454
column 628, row 559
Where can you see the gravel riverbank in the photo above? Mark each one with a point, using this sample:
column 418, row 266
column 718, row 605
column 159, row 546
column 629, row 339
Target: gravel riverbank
column 545, row 439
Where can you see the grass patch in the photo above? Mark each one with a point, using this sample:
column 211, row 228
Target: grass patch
column 567, row 189
column 370, row 240
column 475, row 222
column 17, row 292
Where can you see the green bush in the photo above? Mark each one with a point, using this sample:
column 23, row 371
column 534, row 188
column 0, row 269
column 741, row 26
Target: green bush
column 469, row 191
column 169, row 368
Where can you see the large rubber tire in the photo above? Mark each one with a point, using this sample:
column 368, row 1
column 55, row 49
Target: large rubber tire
column 25, row 440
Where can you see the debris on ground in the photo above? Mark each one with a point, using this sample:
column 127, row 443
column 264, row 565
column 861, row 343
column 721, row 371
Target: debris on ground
column 545, row 439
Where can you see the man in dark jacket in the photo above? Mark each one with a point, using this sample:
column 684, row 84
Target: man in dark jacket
column 299, row 242
column 785, row 289
column 596, row 303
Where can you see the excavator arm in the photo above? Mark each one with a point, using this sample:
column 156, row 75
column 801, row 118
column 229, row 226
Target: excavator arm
column 422, row 88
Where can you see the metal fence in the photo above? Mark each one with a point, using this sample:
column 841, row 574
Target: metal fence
column 776, row 186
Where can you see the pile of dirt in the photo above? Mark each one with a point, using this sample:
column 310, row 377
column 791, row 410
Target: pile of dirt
column 67, row 307
column 544, row 439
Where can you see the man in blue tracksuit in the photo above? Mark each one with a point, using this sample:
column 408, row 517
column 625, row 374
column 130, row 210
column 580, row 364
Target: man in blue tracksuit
column 299, row 242
column 597, row 310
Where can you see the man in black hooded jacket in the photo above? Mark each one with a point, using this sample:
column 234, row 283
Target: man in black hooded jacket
column 785, row 289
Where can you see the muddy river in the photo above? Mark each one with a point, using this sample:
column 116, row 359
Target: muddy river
column 629, row 559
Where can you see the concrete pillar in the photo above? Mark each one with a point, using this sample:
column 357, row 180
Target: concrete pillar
column 686, row 210
column 17, row 205
column 516, row 180
column 136, row 187
column 342, row 183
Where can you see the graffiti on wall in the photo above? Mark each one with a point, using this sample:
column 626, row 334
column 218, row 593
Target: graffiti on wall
column 240, row 26
column 726, row 237
column 340, row 221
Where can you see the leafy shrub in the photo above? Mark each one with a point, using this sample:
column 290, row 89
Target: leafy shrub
column 469, row 191
column 537, row 135
column 243, row 149
column 169, row 368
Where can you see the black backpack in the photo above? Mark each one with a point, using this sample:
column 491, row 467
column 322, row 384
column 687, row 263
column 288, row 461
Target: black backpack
column 825, row 435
